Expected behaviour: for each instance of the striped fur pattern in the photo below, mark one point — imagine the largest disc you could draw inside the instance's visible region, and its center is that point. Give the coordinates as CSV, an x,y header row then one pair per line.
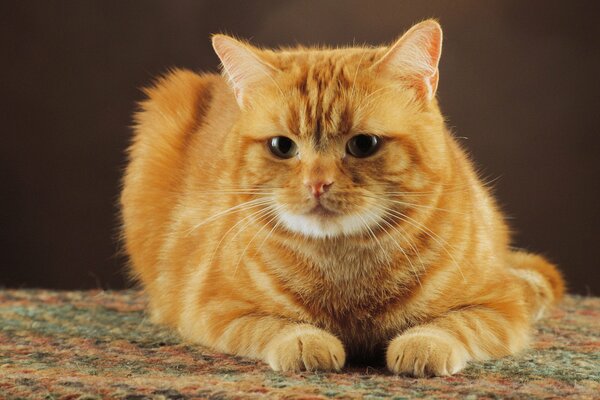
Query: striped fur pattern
x,y
411,259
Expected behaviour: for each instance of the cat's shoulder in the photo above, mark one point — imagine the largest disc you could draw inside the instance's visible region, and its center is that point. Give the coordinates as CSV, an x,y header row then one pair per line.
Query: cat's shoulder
x,y
182,89
182,100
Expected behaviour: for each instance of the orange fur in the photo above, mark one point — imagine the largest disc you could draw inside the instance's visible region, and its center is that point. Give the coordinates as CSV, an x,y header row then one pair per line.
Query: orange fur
x,y
415,261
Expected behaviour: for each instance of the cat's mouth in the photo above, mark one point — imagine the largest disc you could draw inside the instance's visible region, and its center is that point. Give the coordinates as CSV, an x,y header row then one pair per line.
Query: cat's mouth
x,y
322,211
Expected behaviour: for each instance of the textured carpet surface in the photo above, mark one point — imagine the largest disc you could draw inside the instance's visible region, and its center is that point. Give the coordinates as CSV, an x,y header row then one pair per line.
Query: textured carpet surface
x,y
88,345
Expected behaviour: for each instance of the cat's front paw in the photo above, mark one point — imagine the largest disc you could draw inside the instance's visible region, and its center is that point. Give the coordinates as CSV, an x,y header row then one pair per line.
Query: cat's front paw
x,y
426,353
306,348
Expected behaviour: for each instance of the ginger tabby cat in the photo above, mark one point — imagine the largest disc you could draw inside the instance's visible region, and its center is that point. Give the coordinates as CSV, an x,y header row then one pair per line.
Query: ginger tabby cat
x,y
311,205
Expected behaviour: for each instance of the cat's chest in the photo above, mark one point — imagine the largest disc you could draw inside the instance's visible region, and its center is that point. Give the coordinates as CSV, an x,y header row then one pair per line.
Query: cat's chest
x,y
351,290
356,310
342,288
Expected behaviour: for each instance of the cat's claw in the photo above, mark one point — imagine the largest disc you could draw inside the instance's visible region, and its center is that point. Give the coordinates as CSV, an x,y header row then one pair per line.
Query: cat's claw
x,y
426,354
308,349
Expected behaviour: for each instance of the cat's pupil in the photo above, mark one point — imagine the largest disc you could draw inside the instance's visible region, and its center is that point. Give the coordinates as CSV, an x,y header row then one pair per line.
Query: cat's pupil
x,y
282,147
284,144
364,142
363,145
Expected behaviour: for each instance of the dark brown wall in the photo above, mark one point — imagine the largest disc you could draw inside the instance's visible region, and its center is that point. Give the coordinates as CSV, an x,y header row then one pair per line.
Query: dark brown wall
x,y
519,81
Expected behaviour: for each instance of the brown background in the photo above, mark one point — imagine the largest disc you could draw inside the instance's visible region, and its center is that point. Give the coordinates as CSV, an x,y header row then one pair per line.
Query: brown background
x,y
519,80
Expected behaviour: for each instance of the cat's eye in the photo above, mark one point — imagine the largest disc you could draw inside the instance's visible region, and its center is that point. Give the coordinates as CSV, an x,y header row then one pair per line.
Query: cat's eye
x,y
363,145
282,147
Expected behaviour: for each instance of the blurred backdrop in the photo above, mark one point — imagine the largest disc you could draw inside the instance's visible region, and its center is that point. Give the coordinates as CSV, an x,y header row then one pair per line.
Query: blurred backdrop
x,y
519,84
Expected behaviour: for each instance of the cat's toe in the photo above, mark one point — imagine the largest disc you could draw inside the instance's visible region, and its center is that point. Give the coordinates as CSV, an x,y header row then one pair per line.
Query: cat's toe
x,y
306,349
426,354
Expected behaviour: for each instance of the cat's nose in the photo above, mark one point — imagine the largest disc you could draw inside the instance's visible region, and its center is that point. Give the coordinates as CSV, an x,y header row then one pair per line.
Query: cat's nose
x,y
317,188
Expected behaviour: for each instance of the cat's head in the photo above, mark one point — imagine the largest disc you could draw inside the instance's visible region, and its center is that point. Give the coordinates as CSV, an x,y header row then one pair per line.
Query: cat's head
x,y
338,140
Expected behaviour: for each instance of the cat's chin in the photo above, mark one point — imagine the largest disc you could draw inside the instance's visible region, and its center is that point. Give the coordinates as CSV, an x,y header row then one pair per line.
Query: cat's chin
x,y
328,225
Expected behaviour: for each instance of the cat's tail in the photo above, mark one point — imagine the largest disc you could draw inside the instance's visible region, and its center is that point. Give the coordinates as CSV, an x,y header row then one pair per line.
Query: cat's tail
x,y
543,279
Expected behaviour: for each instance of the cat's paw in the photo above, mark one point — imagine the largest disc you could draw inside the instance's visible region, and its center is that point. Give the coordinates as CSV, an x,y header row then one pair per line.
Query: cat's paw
x,y
306,348
426,353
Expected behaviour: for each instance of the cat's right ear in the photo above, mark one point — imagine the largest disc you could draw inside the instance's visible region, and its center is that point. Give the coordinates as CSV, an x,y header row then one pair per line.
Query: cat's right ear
x,y
414,58
241,65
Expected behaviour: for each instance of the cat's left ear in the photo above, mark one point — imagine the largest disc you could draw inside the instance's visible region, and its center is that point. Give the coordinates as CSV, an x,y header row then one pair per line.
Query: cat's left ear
x,y
415,58
241,65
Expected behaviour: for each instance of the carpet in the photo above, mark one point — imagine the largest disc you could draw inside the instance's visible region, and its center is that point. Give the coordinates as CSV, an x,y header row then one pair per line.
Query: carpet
x,y
99,344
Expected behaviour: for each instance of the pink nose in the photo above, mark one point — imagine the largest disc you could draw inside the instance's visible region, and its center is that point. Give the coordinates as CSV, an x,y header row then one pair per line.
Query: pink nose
x,y
319,187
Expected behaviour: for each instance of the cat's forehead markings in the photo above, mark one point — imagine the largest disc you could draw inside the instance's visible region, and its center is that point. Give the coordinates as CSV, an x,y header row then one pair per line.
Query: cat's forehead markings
x,y
320,111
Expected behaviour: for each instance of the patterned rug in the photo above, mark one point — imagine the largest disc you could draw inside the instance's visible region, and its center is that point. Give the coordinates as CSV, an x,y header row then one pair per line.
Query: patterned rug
x,y
96,344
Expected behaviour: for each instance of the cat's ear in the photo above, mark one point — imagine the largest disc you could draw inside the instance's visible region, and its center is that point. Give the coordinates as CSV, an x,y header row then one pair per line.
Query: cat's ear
x,y
415,56
241,65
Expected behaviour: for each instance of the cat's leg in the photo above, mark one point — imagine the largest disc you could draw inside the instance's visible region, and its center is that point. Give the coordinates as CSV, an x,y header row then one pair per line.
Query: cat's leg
x,y
283,344
445,345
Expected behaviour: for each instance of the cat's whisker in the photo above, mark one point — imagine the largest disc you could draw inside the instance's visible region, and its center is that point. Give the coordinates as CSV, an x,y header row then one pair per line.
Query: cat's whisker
x,y
239,207
372,234
232,192
240,189
236,188
258,213
423,206
272,215
426,193
442,189
270,212
246,187
395,242
440,241
414,249
412,266
278,215
444,186
264,212
411,194
219,185
235,196
487,182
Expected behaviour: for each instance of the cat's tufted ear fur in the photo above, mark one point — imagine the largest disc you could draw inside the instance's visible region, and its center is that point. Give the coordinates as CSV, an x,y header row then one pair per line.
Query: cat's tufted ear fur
x,y
241,65
415,56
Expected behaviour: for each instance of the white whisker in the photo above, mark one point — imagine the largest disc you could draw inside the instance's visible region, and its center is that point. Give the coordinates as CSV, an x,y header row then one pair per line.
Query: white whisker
x,y
272,229
273,215
403,251
431,234
258,213
424,206
246,205
373,234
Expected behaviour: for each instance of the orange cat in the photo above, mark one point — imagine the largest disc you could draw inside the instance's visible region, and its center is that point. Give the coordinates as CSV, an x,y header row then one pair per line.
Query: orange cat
x,y
313,206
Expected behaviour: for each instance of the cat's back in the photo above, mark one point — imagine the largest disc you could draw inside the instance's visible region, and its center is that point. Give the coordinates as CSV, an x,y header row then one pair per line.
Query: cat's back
x,y
181,108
